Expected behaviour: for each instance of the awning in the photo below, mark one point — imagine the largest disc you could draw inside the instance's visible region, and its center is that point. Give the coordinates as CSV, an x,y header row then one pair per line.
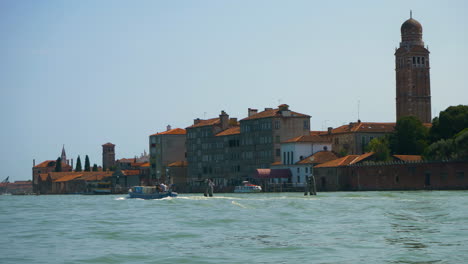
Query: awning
x,y
272,173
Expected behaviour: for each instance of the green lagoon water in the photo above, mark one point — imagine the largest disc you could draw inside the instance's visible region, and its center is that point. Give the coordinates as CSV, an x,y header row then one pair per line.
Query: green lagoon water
x,y
340,227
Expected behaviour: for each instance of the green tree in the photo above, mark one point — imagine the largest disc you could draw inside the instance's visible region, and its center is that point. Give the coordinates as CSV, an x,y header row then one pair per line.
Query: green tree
x,y
78,164
58,165
87,166
95,167
461,145
449,122
380,146
440,150
410,137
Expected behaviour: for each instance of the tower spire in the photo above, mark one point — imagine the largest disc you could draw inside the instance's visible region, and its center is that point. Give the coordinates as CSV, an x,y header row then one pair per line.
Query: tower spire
x,y
411,14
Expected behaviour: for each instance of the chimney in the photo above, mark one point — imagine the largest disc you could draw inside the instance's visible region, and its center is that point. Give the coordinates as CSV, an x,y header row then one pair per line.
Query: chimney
x,y
330,130
284,109
268,108
233,121
224,118
168,127
252,112
196,121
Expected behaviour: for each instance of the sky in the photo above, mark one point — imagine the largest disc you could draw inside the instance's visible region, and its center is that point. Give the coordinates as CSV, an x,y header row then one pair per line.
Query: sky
x,y
83,73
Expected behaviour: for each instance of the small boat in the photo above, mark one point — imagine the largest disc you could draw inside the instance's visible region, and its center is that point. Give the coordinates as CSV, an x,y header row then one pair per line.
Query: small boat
x,y
247,188
150,192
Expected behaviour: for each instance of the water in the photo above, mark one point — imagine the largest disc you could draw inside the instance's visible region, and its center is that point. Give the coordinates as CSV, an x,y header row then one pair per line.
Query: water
x,y
342,227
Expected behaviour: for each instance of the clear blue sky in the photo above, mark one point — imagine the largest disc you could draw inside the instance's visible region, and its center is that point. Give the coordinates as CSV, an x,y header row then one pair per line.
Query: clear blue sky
x,y
83,73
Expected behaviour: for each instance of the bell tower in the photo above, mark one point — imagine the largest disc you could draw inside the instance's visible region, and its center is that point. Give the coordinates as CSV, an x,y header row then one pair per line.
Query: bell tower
x,y
413,89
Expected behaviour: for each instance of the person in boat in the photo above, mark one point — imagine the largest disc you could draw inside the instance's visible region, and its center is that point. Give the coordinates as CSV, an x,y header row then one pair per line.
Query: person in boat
x,y
163,187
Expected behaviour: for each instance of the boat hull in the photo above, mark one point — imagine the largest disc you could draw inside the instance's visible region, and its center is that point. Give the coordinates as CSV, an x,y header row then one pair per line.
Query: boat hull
x,y
152,195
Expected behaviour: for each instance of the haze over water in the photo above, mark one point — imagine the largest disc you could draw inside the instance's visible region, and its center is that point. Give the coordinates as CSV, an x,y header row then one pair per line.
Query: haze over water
x,y
341,227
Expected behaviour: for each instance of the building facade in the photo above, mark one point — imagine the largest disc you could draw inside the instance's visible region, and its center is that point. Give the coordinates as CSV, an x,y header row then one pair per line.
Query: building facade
x,y
165,148
229,152
413,89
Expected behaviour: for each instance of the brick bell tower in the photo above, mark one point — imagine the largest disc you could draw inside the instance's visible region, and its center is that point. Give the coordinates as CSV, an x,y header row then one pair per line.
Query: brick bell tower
x,y
413,89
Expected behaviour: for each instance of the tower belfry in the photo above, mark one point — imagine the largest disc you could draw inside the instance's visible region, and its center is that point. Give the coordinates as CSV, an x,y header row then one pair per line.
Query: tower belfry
x,y
413,92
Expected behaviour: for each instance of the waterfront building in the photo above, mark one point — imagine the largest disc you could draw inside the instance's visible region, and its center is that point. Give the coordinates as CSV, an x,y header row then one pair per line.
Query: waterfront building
x,y
413,92
353,138
49,166
229,152
108,156
165,148
177,175
70,182
213,150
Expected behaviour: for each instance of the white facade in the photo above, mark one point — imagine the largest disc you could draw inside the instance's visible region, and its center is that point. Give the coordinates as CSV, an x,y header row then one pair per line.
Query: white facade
x,y
296,151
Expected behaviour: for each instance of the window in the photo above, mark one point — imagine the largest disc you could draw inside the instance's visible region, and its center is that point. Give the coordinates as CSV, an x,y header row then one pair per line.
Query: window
x,y
325,148
306,170
277,124
298,179
306,124
278,153
298,170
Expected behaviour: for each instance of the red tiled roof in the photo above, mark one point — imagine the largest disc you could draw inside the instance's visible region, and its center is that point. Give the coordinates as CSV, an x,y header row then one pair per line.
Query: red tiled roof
x,y
146,164
178,164
276,163
273,113
319,158
137,164
230,131
365,127
69,177
207,122
363,157
347,160
312,133
131,172
338,162
50,163
96,175
132,160
309,138
272,173
408,157
175,131
108,144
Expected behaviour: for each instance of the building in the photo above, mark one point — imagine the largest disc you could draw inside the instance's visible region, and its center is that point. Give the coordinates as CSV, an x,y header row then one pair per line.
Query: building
x,y
353,138
165,148
213,150
70,182
108,156
229,152
413,89
49,166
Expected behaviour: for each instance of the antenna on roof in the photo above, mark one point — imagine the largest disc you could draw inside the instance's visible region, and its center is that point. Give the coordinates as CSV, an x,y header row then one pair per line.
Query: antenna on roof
x,y
358,105
411,13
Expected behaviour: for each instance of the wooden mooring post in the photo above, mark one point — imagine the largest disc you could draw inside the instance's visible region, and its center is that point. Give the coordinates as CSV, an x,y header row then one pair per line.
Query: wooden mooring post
x,y
310,188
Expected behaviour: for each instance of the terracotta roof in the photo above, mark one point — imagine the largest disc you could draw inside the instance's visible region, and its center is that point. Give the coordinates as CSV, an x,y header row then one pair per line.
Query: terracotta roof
x,y
319,158
312,133
365,127
137,164
178,164
95,175
69,177
309,138
363,157
132,160
338,162
272,173
276,163
207,122
108,144
347,160
408,157
175,131
230,131
50,163
131,172
144,165
273,113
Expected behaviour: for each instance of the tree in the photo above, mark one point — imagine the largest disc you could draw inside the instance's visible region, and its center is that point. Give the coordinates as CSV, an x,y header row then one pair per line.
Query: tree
x,y
445,149
78,164
87,166
410,137
380,146
58,165
95,168
450,122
